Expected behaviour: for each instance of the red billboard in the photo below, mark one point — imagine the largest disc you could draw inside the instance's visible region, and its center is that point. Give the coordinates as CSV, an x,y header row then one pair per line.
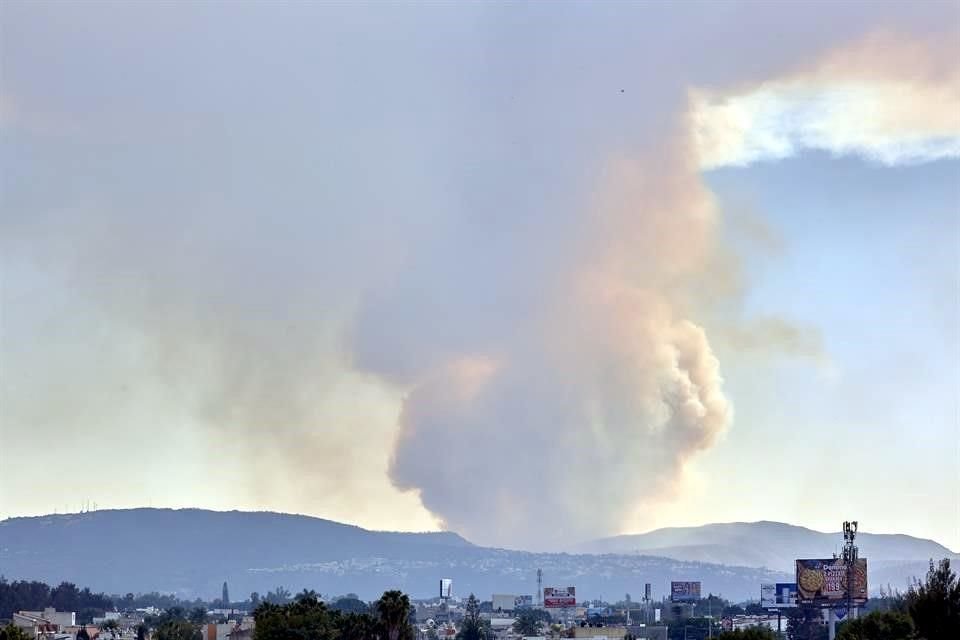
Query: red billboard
x,y
557,597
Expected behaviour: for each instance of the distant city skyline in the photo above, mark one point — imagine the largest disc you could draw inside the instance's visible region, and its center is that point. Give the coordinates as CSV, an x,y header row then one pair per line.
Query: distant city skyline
x,y
535,273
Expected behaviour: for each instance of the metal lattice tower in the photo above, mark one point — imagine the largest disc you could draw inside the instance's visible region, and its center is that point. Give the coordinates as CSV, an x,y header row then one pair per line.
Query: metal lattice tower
x,y
850,558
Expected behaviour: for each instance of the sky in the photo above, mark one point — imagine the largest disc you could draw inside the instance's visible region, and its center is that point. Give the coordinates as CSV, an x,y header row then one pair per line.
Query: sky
x,y
536,273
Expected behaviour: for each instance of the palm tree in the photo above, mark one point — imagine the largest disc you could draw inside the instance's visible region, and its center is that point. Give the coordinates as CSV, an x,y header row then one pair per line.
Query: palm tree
x,y
393,607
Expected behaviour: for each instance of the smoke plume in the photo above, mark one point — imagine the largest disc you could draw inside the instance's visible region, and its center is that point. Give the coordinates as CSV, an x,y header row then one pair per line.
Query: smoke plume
x,y
596,392
401,266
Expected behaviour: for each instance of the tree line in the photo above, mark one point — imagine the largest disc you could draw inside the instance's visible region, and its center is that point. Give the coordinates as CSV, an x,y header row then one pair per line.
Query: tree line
x,y
32,595
307,618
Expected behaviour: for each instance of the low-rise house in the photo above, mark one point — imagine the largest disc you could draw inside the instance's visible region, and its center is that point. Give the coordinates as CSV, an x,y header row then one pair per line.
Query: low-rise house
x,y
44,624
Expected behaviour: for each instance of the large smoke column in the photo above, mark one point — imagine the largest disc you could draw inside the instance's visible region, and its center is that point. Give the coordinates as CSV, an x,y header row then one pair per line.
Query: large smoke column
x,y
596,396
562,418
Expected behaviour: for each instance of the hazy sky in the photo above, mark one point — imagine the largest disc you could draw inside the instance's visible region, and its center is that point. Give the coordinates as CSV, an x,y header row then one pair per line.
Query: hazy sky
x,y
535,272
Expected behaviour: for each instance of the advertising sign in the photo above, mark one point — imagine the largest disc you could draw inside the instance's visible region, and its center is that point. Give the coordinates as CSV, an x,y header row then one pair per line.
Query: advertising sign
x,y
684,591
556,597
778,595
446,588
825,581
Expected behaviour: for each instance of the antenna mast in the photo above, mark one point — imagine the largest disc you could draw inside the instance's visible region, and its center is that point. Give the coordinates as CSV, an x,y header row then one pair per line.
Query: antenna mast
x,y
540,587
850,559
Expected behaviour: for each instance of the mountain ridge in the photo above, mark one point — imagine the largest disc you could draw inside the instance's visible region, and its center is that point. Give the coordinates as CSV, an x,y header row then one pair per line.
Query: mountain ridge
x,y
190,552
763,543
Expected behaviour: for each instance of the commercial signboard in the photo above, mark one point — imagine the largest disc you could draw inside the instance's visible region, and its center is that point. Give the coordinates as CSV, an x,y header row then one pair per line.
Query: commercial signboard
x,y
824,581
684,591
557,597
446,588
511,602
779,595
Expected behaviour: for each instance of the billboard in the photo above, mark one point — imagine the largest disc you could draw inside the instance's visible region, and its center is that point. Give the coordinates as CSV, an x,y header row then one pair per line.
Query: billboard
x,y
446,588
825,581
684,591
510,602
556,597
779,595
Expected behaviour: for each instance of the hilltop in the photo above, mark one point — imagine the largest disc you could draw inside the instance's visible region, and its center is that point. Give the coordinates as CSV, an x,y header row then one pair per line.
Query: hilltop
x,y
190,552
763,544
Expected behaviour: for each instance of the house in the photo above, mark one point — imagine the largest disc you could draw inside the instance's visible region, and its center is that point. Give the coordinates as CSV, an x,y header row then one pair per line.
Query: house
x,y
44,624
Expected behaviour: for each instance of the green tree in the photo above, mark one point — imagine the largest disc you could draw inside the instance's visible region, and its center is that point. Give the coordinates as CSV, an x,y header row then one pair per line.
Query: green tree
x,y
13,632
198,615
472,627
528,623
753,633
304,619
278,596
803,623
177,630
349,604
65,597
393,609
82,634
879,625
357,626
934,605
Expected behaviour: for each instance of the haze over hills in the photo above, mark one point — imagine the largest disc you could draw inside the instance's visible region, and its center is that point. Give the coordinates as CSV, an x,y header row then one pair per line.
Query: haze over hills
x,y
762,544
191,552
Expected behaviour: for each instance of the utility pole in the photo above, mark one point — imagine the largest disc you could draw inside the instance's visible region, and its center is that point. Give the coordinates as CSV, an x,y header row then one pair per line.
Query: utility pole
x,y
710,615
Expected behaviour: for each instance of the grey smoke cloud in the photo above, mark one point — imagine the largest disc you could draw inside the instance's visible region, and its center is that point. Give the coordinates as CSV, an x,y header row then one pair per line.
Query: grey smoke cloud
x,y
321,245
535,426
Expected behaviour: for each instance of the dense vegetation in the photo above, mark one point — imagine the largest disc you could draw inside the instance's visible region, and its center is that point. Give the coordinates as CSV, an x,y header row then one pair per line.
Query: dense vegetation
x,y
13,632
24,595
306,618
